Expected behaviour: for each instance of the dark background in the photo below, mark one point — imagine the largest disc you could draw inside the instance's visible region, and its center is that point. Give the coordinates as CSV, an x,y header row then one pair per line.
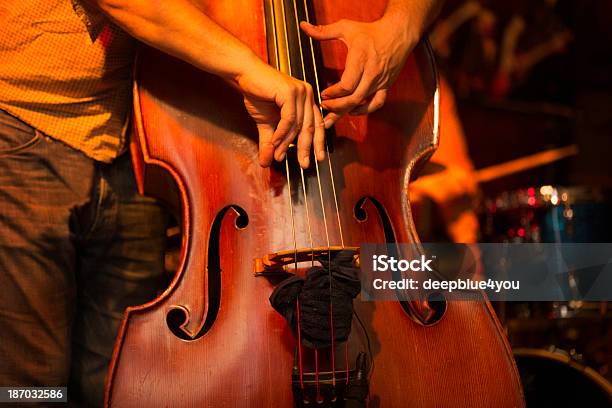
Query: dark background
x,y
564,99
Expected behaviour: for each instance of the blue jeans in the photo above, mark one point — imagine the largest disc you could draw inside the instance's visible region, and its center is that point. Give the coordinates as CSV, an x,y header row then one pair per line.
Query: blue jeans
x,y
77,246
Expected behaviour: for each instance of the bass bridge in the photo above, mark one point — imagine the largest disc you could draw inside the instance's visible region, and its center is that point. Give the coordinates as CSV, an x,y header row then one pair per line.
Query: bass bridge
x,y
278,263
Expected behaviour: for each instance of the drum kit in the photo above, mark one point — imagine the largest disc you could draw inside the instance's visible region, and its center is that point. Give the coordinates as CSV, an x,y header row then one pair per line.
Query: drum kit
x,y
563,349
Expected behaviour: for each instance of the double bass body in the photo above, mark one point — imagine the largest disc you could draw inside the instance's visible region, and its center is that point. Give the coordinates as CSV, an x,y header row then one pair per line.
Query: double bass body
x,y
212,339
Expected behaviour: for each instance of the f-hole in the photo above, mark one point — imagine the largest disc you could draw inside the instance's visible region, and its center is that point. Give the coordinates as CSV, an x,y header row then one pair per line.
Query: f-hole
x,y
177,317
361,215
436,301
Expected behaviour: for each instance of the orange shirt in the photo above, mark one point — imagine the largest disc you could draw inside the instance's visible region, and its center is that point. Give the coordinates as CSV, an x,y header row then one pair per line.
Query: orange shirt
x,y
66,70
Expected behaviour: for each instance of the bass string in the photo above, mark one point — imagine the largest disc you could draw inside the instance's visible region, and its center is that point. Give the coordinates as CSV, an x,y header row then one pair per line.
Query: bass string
x,y
319,183
312,260
295,251
322,201
335,195
288,174
317,88
331,290
301,169
296,19
319,100
308,220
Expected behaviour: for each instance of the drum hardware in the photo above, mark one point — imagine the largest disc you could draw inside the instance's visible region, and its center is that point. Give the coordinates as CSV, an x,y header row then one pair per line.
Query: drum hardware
x,y
555,378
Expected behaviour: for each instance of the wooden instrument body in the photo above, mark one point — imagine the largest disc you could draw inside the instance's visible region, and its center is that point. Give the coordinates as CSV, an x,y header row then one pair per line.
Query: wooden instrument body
x,y
196,149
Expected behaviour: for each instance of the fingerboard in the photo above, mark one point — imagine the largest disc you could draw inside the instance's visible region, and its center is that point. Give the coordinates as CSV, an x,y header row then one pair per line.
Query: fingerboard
x,y
289,49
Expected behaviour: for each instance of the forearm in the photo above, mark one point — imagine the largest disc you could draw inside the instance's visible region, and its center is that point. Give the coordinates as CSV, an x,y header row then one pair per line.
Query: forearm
x,y
417,15
180,29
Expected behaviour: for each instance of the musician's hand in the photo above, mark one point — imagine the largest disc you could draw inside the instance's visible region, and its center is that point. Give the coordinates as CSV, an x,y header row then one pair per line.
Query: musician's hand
x,y
283,108
377,52
444,187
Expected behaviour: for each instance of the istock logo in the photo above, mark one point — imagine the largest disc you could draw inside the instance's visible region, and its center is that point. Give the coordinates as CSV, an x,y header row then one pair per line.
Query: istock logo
x,y
383,263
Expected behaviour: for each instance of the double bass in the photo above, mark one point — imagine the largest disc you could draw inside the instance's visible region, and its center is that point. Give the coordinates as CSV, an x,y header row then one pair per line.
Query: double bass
x,y
212,339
